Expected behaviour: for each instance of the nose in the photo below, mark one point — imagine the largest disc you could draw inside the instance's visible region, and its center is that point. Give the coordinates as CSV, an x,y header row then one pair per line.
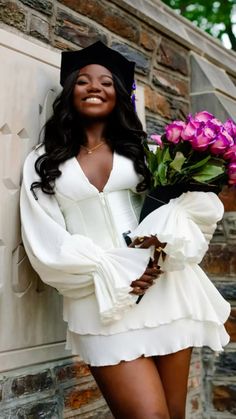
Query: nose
x,y
94,86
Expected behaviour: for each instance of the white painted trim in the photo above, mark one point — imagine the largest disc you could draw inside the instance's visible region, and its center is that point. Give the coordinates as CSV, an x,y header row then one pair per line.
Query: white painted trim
x,y
19,44
30,356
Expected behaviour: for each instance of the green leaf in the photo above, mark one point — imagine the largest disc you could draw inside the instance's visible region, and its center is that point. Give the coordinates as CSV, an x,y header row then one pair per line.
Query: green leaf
x,y
166,155
208,172
178,162
152,161
162,170
198,164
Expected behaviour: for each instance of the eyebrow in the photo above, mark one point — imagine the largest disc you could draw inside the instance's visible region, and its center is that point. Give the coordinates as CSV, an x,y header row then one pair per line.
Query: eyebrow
x,y
102,75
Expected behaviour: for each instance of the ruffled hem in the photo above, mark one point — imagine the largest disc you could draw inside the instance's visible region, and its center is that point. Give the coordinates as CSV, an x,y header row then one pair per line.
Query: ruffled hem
x,y
97,350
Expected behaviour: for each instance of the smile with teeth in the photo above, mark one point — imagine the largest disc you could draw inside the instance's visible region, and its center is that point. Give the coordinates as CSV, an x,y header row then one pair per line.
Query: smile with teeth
x,y
93,100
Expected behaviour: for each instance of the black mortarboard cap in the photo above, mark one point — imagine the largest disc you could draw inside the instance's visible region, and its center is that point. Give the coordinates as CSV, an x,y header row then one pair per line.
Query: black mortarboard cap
x,y
98,53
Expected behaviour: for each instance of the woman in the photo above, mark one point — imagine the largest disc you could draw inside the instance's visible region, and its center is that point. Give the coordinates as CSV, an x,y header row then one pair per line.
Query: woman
x,y
82,191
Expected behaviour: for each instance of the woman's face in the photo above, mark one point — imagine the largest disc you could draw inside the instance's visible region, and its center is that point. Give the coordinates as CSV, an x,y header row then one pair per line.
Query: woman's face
x,y
94,93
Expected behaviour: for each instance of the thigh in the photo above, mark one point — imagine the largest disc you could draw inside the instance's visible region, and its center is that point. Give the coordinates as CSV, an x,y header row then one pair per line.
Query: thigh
x,y
174,370
132,389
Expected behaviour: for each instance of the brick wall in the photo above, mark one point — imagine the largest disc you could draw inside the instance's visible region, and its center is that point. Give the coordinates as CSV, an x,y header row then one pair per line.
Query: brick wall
x,y
163,68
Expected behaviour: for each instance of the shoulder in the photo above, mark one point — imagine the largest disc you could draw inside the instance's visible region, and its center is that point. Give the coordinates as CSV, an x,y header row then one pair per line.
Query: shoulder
x,y
29,163
34,154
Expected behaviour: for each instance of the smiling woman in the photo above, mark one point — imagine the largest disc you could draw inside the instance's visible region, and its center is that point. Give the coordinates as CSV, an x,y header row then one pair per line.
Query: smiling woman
x,y
82,191
94,92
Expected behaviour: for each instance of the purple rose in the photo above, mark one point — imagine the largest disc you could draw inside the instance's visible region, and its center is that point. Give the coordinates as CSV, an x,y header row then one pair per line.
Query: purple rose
x,y
190,129
204,137
230,127
215,125
157,139
222,142
232,173
230,153
174,130
203,116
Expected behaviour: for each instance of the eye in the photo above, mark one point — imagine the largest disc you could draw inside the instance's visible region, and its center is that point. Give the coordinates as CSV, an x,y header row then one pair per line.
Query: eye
x,y
107,83
81,81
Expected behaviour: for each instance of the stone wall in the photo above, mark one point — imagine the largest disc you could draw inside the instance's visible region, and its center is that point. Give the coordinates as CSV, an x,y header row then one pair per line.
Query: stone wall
x,y
162,44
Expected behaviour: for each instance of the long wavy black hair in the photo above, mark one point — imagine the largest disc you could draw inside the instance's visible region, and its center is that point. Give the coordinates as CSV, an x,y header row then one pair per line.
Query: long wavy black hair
x,y
64,135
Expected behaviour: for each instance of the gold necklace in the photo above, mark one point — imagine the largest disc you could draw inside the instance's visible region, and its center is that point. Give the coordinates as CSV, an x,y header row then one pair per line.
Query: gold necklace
x,y
90,150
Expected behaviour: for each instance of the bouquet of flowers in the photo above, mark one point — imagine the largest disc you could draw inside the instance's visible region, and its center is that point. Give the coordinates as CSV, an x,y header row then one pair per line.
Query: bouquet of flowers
x,y
199,154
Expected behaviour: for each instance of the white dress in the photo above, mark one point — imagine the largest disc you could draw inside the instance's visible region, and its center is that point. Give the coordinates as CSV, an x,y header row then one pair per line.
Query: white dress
x,y
74,241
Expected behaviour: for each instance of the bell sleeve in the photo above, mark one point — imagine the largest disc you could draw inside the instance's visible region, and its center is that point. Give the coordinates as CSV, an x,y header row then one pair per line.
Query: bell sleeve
x,y
186,224
73,263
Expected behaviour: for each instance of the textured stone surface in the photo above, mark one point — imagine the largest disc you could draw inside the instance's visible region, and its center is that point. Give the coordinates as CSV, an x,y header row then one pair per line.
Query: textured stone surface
x,y
39,28
63,45
157,103
227,289
218,259
195,405
43,6
154,125
224,398
77,31
142,60
12,14
228,197
226,364
77,396
179,109
71,371
148,40
111,18
221,106
229,225
170,84
31,383
208,76
231,325
172,56
167,107
42,410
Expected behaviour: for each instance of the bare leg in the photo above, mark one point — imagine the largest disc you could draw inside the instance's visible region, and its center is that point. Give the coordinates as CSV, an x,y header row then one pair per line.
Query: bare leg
x,y
173,370
133,390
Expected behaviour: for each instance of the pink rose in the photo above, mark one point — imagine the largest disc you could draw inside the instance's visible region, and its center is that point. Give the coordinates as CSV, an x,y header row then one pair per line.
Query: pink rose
x,y
205,136
203,116
174,130
157,139
230,153
222,142
232,173
190,130
230,127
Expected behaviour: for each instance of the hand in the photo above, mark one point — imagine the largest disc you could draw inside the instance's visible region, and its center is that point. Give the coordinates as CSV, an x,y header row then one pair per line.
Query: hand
x,y
141,285
148,241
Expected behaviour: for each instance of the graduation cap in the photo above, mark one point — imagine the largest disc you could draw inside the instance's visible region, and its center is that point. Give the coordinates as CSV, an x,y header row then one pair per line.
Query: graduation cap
x,y
98,53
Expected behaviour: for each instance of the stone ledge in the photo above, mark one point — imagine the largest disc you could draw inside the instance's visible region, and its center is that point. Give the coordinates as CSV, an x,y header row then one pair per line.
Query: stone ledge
x,y
163,18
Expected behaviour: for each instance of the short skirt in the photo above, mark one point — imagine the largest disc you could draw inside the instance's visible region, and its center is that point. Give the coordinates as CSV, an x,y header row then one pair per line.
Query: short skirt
x,y
100,350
